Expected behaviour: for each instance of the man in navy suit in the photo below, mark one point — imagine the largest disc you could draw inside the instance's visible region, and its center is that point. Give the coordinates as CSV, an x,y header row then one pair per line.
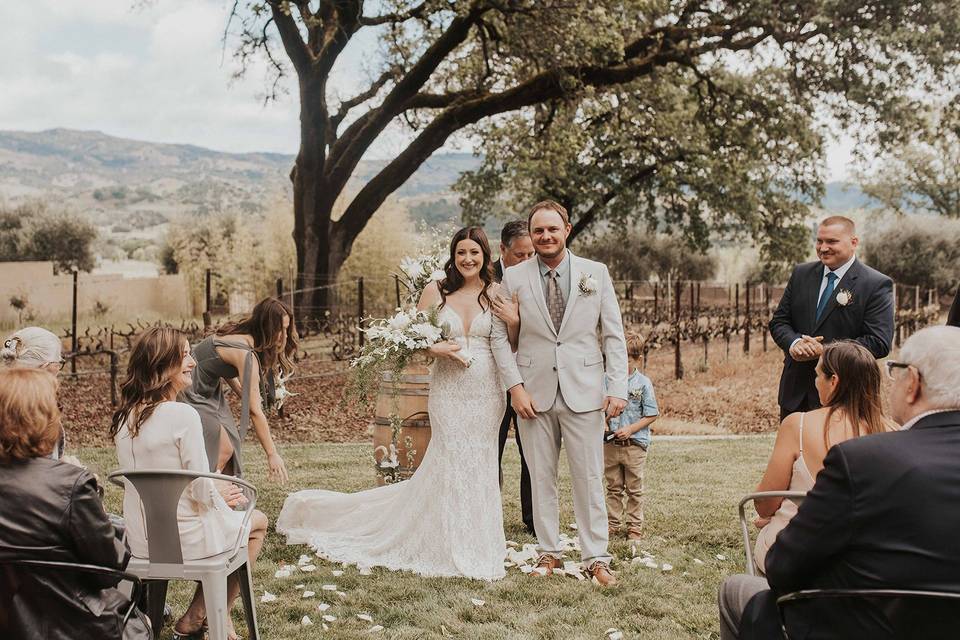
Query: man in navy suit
x,y
835,298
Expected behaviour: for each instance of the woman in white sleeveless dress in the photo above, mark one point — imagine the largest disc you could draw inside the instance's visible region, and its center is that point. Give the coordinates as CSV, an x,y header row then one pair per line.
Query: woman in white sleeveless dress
x,y
848,383
447,519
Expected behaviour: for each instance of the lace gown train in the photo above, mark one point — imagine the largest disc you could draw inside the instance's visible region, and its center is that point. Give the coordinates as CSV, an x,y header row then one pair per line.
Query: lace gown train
x,y
447,519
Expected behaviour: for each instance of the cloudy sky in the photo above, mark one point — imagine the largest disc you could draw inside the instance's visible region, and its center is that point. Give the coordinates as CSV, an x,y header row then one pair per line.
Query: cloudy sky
x,y
157,71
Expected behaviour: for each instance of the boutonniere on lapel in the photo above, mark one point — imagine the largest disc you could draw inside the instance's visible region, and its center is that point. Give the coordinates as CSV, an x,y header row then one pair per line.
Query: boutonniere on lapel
x,y
587,285
844,297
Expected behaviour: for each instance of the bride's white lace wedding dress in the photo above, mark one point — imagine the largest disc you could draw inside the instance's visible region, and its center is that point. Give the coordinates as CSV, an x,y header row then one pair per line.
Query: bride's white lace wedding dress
x,y
447,519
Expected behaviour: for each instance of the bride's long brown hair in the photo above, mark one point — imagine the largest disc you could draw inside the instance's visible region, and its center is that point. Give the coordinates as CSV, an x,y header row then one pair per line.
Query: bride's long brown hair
x,y
264,324
454,279
155,358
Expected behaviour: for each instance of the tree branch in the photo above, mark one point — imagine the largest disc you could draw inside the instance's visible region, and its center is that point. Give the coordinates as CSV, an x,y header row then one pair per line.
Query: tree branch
x,y
393,18
293,43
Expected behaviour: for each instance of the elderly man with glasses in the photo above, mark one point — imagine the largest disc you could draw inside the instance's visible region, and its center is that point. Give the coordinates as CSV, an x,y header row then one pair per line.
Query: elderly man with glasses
x,y
883,514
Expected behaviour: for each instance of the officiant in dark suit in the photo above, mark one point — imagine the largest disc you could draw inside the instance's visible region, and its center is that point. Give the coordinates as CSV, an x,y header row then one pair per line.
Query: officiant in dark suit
x,y
515,247
837,297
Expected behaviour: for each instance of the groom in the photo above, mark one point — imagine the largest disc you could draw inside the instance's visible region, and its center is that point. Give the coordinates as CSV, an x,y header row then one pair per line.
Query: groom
x,y
568,313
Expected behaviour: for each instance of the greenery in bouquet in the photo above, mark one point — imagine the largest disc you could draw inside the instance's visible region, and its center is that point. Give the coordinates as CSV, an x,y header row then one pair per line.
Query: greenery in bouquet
x,y
390,346
418,271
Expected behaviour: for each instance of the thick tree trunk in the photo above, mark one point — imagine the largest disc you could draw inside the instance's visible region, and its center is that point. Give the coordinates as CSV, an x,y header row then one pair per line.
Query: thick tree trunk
x,y
319,257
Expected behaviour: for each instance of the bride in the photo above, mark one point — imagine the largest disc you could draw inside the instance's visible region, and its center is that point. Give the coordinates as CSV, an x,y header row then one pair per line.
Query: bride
x,y
447,519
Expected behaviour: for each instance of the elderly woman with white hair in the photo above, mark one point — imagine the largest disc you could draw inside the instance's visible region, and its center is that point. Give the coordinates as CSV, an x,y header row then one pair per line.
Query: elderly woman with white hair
x,y
35,348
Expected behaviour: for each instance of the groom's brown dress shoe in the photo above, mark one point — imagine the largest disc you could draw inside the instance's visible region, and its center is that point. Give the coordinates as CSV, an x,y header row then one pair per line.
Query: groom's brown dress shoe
x,y
548,563
600,571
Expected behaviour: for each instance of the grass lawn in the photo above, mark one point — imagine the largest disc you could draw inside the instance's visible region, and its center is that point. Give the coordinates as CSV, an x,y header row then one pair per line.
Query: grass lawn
x,y
692,487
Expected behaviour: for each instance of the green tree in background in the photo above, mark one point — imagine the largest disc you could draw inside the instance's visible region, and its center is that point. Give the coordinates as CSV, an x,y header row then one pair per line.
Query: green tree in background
x,y
441,66
634,254
923,174
32,232
682,153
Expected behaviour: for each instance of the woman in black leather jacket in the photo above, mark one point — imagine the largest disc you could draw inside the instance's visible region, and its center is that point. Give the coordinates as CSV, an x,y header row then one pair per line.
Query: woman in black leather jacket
x,y
50,510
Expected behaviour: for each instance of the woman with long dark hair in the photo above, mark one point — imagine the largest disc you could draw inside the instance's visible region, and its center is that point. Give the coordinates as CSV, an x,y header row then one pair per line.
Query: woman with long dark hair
x,y
848,383
153,431
447,519
247,355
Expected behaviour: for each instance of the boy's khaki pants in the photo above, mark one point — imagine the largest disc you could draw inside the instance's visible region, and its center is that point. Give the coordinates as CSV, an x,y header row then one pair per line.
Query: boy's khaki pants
x,y
623,469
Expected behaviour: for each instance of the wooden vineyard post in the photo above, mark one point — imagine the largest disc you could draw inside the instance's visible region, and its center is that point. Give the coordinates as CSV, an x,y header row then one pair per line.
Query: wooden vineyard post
x,y
360,309
766,313
656,302
74,341
677,364
746,319
396,287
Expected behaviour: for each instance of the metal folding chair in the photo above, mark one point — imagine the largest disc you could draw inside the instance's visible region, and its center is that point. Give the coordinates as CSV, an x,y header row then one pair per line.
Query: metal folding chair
x,y
948,628
796,496
136,584
160,491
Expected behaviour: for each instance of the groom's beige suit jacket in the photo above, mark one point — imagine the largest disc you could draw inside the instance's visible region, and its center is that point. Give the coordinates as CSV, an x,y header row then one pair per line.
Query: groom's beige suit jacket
x,y
570,359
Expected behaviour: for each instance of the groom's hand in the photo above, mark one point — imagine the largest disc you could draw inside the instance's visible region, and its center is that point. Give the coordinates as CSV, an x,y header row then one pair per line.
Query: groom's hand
x,y
613,407
521,402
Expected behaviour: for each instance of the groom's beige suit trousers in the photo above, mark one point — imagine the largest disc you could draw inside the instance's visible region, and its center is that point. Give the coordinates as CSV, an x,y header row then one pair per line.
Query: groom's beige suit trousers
x,y
582,434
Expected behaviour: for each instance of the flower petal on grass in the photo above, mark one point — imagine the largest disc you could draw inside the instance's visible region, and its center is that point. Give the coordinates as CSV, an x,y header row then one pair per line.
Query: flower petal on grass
x,y
329,618
721,557
306,621
697,561
308,594
477,602
329,587
666,567
366,617
307,568
323,606
614,634
375,629
267,597
337,573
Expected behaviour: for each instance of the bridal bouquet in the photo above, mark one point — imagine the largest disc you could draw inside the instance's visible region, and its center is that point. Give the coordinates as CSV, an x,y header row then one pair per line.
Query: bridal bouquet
x,y
417,272
391,344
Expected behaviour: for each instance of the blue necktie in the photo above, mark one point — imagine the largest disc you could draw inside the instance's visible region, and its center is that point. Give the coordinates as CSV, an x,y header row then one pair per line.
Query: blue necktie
x,y
825,298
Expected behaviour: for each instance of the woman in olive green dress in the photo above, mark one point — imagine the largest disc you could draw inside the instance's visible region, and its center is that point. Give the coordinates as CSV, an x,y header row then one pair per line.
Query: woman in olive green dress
x,y
246,354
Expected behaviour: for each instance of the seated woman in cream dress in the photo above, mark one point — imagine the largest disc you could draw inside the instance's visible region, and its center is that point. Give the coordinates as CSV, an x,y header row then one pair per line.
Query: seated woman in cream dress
x,y
848,383
153,431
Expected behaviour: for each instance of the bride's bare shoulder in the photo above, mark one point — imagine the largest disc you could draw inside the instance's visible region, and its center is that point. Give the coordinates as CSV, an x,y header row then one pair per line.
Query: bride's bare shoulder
x,y
430,296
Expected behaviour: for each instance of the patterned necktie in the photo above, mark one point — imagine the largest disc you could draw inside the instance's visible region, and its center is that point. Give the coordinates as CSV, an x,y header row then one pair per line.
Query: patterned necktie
x,y
555,304
825,298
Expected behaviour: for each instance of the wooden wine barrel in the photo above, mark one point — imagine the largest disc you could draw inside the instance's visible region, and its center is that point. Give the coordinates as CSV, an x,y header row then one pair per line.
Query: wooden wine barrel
x,y
405,397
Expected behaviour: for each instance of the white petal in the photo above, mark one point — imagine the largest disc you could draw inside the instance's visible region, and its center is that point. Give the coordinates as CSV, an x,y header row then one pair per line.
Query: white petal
x,y
365,617
366,571
342,594
697,561
308,594
573,525
329,587
306,621
615,635
666,567
267,597
308,568
375,629
721,557
300,586
477,602
330,618
323,606
337,574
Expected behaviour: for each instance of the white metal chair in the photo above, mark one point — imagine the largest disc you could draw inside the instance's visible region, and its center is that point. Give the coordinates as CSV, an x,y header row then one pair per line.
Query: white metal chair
x,y
160,491
795,496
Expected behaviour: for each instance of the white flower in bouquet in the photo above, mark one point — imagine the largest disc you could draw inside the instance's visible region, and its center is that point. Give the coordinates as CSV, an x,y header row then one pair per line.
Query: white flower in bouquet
x,y
400,321
437,275
428,331
412,267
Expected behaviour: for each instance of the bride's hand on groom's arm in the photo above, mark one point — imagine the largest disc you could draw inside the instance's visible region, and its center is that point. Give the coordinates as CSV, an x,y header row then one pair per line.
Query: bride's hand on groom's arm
x,y
522,402
507,309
